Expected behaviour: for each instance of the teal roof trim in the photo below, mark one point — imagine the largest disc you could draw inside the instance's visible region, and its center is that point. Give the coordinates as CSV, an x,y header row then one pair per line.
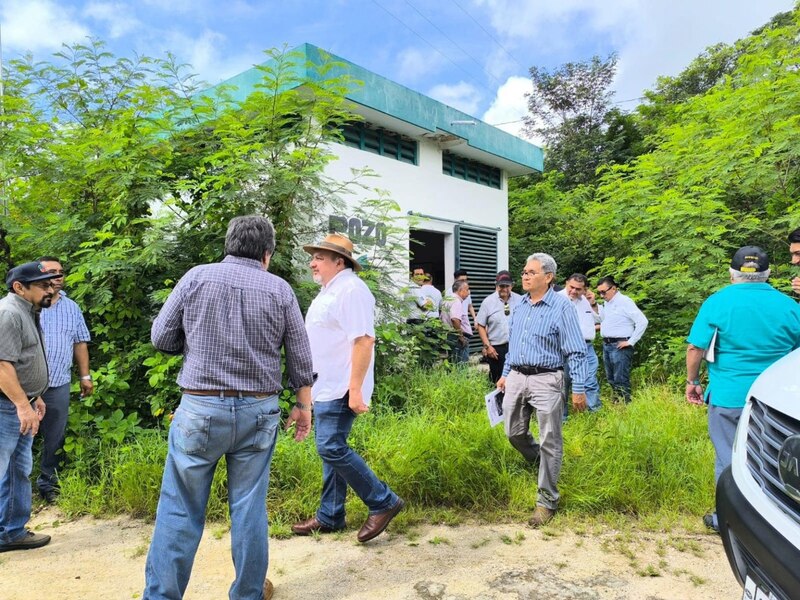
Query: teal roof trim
x,y
395,100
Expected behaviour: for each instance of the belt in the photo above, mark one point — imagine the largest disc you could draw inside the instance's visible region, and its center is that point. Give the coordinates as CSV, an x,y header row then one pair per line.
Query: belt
x,y
534,370
614,340
229,393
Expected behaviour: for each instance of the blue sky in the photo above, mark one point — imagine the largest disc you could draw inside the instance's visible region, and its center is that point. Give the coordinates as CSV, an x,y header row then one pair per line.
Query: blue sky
x,y
471,54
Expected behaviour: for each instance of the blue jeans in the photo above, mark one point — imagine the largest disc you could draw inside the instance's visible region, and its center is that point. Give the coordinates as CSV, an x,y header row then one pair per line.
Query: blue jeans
x,y
591,386
342,466
206,428
16,463
52,428
617,362
458,354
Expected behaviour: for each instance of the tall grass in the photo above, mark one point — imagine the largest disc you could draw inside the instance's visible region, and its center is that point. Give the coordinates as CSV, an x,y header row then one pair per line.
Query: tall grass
x,y
429,438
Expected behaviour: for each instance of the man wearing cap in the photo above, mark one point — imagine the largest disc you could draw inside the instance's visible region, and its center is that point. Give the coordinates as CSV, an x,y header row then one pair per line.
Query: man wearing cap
x,y
492,321
341,326
740,330
544,333
232,321
66,338
576,290
23,380
622,324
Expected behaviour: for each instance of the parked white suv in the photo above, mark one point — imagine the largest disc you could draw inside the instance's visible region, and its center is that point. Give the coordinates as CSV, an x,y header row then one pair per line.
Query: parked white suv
x,y
758,497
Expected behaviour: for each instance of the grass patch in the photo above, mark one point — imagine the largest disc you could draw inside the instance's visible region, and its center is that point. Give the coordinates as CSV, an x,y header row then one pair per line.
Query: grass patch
x,y
428,436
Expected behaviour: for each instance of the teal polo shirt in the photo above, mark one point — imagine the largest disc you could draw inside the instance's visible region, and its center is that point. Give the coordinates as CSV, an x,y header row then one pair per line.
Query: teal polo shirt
x,y
756,325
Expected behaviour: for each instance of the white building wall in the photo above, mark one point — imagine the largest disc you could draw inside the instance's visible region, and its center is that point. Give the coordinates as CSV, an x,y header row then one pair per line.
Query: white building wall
x,y
423,188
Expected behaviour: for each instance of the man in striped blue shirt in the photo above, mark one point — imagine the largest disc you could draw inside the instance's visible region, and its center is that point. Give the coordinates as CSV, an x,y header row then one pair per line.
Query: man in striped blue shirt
x,y
66,338
544,330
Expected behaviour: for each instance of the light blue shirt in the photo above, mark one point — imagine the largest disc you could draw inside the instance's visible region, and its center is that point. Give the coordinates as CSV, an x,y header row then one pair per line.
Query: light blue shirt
x,y
492,315
621,318
543,334
756,325
63,326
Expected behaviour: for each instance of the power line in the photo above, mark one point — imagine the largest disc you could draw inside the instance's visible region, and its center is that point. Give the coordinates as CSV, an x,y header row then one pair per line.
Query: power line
x,y
495,40
450,60
452,41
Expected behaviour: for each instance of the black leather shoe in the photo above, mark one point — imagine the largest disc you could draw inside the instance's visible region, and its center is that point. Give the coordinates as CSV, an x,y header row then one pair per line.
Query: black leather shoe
x,y
375,524
28,541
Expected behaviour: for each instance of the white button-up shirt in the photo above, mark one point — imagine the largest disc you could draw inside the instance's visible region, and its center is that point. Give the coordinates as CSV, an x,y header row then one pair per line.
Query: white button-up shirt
x,y
620,317
342,311
587,318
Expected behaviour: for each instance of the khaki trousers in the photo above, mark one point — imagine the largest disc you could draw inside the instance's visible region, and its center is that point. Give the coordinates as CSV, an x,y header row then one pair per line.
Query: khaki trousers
x,y
543,394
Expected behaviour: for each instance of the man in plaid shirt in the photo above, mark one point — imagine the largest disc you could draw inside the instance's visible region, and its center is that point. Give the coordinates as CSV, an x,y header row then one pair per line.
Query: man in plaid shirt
x,y
230,320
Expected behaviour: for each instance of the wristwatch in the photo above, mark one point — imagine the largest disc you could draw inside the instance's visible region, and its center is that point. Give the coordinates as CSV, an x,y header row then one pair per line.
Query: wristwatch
x,y
86,377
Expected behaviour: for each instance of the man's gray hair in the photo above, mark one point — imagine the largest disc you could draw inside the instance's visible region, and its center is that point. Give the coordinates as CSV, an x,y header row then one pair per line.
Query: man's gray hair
x,y
250,237
458,284
739,277
548,262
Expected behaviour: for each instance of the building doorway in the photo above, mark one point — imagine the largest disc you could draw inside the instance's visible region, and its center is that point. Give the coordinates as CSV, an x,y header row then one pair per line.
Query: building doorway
x,y
427,251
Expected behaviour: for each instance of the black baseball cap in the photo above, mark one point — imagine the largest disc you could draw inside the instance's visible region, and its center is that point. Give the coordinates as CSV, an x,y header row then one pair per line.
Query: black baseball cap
x,y
750,259
27,273
504,278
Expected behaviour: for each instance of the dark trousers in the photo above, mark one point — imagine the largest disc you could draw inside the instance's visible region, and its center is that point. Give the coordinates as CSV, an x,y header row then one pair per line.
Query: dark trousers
x,y
496,364
53,428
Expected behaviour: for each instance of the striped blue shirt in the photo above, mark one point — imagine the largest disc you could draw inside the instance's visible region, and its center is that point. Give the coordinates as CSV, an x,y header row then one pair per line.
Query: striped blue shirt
x,y
546,333
63,326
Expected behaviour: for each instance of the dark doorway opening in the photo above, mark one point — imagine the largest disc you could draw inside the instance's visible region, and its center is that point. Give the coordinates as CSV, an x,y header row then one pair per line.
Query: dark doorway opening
x,y
427,251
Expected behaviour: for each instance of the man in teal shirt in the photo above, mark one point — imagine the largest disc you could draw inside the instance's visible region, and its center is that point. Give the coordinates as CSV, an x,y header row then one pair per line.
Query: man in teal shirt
x,y
740,331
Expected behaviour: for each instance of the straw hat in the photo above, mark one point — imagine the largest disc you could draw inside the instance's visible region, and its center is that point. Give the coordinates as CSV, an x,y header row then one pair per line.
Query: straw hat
x,y
337,243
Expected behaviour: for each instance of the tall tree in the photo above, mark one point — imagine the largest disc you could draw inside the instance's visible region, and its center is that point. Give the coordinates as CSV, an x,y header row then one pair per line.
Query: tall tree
x,y
569,109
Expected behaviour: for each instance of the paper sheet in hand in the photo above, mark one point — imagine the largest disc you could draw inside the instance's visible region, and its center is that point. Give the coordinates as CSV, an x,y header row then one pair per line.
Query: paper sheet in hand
x,y
493,410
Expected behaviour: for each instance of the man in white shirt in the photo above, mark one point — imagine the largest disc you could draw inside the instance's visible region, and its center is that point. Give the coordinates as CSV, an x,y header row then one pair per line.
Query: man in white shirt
x,y
576,290
622,324
432,294
493,319
341,328
417,303
454,316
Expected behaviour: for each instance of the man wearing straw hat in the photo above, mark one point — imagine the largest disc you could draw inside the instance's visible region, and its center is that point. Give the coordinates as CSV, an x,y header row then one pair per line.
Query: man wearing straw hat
x,y
341,328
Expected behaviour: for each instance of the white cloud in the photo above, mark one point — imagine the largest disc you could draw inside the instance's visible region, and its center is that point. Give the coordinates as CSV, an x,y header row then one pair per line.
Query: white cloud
x,y
510,105
462,96
208,54
415,64
115,16
652,38
32,25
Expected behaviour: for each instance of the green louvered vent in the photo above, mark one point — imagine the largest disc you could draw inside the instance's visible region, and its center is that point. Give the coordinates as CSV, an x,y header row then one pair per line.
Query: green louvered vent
x,y
476,251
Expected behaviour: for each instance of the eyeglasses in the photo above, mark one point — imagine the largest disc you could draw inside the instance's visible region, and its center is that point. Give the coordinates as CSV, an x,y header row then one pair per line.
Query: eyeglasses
x,y
56,272
44,285
506,309
531,273
604,292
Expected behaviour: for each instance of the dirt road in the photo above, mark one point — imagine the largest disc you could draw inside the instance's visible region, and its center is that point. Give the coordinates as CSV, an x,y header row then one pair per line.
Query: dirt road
x,y
92,559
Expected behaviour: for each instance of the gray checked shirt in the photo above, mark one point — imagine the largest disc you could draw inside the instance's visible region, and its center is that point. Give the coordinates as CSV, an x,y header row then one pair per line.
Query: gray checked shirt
x,y
231,320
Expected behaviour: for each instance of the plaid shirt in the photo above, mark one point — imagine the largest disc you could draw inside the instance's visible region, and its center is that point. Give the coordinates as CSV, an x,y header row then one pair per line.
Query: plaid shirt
x,y
230,320
63,327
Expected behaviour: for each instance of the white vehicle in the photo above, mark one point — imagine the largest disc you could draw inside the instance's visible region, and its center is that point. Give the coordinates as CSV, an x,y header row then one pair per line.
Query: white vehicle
x,y
758,497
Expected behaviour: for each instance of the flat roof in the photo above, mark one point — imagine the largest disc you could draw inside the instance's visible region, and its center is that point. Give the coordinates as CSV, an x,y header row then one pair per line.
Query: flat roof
x,y
387,103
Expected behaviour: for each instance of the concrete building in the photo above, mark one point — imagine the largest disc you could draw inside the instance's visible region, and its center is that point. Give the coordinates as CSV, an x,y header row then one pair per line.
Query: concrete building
x,y
446,167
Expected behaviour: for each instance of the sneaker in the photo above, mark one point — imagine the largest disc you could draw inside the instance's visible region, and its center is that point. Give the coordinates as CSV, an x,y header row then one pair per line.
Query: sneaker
x,y
541,516
49,496
710,521
27,542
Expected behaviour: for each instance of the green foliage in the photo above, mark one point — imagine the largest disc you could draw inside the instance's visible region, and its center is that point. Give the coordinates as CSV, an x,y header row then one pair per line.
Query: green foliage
x,y
428,436
722,170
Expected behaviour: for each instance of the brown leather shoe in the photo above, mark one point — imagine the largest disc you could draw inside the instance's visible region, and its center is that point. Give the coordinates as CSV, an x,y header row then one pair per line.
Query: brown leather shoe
x,y
269,589
541,516
375,524
312,525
